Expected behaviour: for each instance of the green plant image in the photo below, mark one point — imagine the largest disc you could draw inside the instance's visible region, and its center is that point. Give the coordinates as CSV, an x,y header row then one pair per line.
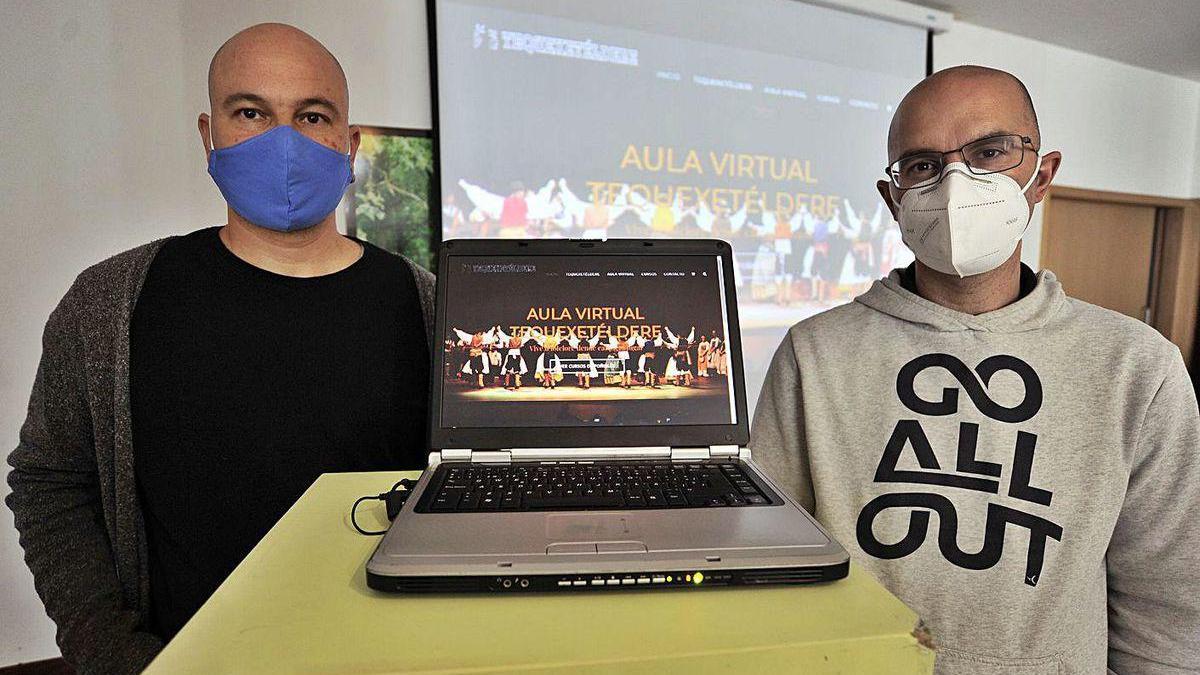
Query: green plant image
x,y
390,197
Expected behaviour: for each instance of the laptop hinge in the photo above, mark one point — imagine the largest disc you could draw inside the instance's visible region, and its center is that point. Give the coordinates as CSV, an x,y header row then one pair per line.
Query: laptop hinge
x,y
459,454
723,450
690,453
490,456
705,453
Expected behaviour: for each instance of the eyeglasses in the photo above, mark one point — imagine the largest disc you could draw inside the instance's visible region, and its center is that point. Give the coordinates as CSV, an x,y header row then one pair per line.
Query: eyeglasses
x,y
983,156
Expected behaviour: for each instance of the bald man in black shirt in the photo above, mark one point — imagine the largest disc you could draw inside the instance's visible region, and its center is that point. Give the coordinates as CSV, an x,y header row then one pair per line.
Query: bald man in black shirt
x,y
191,389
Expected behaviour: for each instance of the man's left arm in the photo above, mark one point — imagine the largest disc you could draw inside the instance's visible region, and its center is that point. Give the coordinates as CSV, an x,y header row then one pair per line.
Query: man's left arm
x,y
426,293
1153,578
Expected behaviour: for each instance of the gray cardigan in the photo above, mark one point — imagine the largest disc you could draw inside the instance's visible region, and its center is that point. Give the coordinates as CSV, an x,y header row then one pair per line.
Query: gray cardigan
x,y
74,496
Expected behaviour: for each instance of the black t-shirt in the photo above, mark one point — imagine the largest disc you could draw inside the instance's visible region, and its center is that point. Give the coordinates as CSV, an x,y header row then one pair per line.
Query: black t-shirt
x,y
908,280
246,385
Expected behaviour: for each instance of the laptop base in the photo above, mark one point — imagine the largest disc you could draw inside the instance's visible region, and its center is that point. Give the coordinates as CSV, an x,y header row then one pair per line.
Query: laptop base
x,y
659,580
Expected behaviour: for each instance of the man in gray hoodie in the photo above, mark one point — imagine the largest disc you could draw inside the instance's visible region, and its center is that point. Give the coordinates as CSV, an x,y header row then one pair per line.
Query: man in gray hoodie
x,y
1018,466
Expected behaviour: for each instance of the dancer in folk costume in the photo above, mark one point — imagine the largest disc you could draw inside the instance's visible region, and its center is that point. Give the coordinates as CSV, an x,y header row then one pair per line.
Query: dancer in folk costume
x,y
660,352
531,348
637,347
693,357
549,365
587,367
667,353
612,366
680,366
513,366
648,363
621,347
495,358
477,359
716,356
643,368
702,350
456,356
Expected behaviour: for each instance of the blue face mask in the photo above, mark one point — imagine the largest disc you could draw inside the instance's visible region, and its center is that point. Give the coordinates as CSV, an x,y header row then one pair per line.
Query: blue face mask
x,y
281,179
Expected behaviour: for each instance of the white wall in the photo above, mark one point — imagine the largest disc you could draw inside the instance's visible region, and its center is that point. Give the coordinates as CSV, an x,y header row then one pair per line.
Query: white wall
x,y
95,138
1120,128
100,152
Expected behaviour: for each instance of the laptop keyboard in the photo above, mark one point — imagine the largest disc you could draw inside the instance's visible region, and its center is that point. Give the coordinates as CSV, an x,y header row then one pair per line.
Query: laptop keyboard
x,y
595,485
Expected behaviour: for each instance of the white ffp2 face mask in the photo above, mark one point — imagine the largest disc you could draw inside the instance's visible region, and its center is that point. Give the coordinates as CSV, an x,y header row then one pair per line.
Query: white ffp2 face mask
x,y
966,224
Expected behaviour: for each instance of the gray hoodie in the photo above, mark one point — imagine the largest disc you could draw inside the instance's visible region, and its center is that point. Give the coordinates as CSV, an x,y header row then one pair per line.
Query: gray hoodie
x,y
1027,480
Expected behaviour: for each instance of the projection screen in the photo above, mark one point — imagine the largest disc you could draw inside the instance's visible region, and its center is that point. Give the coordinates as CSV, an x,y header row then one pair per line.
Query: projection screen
x,y
761,122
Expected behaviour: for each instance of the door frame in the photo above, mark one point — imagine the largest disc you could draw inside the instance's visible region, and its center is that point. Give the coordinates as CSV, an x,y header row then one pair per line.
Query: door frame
x,y
1176,298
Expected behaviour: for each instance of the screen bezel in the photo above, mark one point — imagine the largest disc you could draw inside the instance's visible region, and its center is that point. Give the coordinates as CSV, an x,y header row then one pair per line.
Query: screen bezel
x,y
441,437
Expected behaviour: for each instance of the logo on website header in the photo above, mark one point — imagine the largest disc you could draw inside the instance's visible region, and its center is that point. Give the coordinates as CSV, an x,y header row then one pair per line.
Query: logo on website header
x,y
499,39
498,268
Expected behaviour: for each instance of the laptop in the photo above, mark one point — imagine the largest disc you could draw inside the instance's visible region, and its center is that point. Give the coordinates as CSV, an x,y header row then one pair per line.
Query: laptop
x,y
588,419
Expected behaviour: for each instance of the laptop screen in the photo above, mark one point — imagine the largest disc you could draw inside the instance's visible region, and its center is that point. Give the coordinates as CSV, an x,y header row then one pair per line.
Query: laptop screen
x,y
586,341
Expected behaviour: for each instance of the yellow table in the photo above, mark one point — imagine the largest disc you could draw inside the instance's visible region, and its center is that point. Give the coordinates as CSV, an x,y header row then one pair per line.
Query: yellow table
x,y
299,603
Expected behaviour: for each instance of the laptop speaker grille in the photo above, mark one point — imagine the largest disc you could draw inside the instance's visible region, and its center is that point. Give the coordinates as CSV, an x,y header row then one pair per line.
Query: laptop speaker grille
x,y
787,576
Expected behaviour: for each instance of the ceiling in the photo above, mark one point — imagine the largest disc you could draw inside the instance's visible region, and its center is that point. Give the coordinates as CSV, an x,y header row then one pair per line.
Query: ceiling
x,y
1162,35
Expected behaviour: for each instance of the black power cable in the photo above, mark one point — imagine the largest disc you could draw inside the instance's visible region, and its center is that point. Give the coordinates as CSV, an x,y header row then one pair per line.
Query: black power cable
x,y
393,499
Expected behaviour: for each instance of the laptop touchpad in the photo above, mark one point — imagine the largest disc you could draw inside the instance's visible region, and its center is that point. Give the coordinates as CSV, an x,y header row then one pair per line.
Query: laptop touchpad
x,y
586,527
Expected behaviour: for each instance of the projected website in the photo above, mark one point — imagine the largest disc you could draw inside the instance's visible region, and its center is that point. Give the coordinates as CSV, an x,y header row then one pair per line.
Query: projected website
x,y
553,127
585,341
